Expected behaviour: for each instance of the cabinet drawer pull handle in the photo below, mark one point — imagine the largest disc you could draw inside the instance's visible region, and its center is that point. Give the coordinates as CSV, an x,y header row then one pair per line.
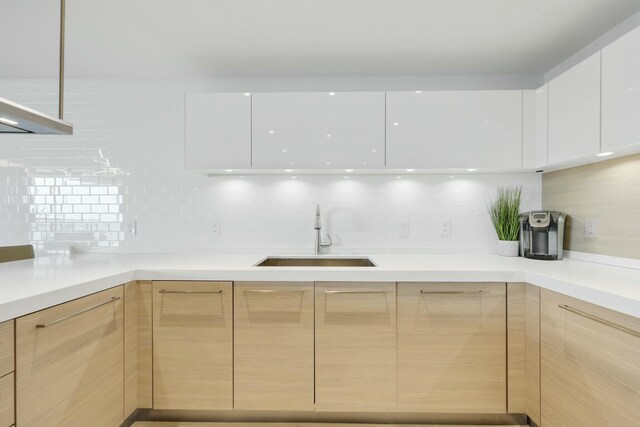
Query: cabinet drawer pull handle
x,y
62,319
355,292
423,292
164,291
272,291
600,320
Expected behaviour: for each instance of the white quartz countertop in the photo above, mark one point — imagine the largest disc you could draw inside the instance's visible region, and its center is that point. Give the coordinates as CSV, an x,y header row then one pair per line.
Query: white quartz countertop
x,y
31,285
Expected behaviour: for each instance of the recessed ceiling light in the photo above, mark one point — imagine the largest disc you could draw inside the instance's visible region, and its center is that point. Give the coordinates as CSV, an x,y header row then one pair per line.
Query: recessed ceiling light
x,y
608,153
284,150
374,150
288,170
471,169
332,93
328,135
328,163
409,170
247,94
228,170
418,91
396,123
398,177
7,121
272,132
348,170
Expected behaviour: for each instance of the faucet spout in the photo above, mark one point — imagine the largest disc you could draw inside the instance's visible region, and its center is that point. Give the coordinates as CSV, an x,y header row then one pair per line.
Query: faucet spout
x,y
318,227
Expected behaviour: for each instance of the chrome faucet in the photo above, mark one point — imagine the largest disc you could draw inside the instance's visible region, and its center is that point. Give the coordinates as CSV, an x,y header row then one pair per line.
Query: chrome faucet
x,y
318,226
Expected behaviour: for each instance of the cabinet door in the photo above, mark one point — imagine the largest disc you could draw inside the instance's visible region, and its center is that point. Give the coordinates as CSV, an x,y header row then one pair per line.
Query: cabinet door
x,y
452,347
192,345
218,131
574,112
326,130
355,346
542,126
7,400
273,346
590,364
69,363
621,92
454,129
6,347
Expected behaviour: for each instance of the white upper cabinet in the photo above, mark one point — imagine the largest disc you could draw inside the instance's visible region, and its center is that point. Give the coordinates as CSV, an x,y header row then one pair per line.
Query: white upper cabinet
x,y
323,130
454,129
574,112
621,92
218,131
542,126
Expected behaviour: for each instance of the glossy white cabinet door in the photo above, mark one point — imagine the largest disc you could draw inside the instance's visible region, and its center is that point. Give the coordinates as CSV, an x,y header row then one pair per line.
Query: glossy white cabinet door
x,y
529,141
621,92
218,131
574,112
542,125
454,129
320,130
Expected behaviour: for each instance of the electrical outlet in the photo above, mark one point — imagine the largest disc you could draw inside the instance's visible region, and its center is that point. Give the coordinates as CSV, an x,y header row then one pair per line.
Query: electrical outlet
x,y
403,229
445,228
591,229
214,229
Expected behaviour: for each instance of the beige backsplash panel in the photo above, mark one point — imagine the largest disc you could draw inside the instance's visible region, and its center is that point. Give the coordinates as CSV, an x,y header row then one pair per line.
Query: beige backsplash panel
x,y
609,192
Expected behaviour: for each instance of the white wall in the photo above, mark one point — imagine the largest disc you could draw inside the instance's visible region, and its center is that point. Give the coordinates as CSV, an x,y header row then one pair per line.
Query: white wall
x,y
125,164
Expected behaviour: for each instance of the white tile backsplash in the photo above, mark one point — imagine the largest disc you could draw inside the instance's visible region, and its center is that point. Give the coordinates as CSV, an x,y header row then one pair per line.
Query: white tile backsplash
x,y
124,166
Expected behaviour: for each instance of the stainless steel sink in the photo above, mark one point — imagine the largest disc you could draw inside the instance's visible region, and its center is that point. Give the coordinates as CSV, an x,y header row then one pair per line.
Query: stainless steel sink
x,y
315,262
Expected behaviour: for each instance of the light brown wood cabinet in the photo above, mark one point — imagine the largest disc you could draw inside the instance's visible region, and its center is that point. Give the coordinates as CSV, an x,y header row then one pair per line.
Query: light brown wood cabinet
x,y
7,400
590,364
192,345
69,369
355,346
6,347
452,347
273,346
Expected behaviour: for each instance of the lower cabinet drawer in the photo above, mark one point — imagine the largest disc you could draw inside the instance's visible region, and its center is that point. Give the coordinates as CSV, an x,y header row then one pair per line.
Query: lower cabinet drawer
x,y
7,403
452,347
70,363
590,364
192,345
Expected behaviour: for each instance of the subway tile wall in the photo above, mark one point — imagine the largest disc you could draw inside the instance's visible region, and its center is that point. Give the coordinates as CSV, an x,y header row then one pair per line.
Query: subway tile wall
x,y
118,184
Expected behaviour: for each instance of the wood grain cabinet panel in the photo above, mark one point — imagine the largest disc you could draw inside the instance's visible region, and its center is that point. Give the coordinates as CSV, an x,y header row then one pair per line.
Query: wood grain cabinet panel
x,y
144,300
273,346
590,364
355,346
532,355
7,400
516,348
452,347
6,347
69,369
192,345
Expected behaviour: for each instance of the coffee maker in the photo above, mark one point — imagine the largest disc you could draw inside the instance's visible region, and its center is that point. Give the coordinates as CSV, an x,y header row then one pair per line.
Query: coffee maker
x,y
542,234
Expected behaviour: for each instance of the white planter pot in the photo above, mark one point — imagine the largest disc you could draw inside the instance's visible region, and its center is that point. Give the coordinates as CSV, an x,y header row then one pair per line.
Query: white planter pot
x,y
508,247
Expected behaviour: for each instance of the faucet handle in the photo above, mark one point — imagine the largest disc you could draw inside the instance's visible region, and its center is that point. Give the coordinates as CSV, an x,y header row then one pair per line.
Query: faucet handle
x,y
327,244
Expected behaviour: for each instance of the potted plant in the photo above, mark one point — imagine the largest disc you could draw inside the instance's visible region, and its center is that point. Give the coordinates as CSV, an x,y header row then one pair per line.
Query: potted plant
x,y
505,216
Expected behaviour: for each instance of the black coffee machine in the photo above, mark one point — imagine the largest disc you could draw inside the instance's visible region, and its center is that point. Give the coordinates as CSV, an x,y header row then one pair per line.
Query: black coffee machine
x,y
542,234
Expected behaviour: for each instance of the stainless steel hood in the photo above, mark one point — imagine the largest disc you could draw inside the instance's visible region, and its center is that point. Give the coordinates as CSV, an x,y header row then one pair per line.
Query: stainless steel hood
x,y
16,118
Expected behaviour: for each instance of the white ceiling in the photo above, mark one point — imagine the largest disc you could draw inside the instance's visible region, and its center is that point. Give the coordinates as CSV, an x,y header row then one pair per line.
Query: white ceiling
x,y
206,38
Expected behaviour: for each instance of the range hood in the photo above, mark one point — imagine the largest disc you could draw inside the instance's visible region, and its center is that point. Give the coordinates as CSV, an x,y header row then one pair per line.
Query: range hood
x,y
18,119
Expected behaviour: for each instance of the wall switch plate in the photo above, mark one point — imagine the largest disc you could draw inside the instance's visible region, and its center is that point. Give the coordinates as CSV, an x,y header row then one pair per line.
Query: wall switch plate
x,y
445,228
591,229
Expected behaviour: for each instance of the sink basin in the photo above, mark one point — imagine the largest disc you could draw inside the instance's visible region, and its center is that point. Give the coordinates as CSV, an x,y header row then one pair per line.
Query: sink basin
x,y
315,262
